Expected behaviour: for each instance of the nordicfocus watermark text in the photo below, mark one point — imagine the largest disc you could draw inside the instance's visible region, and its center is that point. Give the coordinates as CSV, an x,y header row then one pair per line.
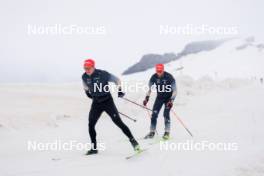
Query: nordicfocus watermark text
x,y
59,145
59,29
204,29
137,87
205,145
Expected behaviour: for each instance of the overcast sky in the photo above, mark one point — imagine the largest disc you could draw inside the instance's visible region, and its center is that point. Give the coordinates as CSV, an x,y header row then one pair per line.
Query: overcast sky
x,y
132,28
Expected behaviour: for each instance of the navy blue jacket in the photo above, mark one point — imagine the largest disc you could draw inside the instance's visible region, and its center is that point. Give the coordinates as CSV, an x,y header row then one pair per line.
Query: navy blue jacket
x,y
165,85
96,85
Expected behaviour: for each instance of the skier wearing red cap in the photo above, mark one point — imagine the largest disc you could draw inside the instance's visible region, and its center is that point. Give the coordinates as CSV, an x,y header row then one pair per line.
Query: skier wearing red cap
x,y
102,101
166,93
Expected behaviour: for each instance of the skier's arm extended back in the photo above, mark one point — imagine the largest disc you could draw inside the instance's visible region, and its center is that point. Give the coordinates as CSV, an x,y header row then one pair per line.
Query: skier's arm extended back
x,y
114,79
117,81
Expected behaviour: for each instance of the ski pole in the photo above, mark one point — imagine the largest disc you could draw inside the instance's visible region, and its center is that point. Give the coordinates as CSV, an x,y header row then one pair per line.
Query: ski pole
x,y
141,107
137,104
134,120
181,122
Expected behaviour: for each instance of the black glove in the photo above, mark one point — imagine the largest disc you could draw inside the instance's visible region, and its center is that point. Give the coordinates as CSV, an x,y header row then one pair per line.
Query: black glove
x,y
169,104
145,102
120,93
88,94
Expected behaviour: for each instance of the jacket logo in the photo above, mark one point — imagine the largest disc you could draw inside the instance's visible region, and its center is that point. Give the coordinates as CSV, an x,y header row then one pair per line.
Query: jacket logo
x,y
89,81
96,79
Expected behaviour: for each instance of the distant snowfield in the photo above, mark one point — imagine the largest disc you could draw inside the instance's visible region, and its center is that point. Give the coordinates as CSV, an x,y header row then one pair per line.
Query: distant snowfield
x,y
224,62
221,63
228,110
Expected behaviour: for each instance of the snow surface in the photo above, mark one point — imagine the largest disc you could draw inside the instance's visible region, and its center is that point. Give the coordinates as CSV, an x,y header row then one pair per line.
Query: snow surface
x,y
223,107
216,111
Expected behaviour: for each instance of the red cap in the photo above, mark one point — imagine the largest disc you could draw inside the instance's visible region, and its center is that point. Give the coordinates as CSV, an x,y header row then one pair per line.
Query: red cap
x,y
159,68
89,63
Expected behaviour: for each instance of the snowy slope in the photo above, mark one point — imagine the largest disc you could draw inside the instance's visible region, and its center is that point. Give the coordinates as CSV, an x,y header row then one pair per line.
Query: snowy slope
x,y
224,62
225,111
226,108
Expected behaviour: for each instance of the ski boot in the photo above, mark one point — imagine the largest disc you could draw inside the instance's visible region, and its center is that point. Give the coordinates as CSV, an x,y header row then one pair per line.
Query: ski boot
x,y
166,136
135,145
150,135
92,152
